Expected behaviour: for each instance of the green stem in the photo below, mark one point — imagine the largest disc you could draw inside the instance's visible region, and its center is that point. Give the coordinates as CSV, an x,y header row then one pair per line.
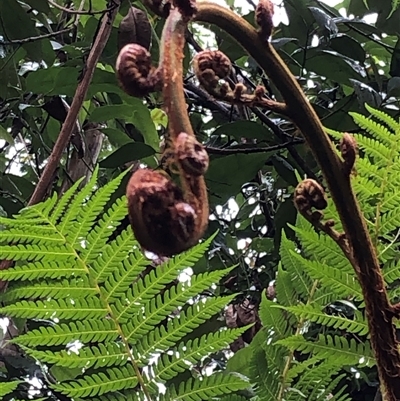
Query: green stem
x,y
365,262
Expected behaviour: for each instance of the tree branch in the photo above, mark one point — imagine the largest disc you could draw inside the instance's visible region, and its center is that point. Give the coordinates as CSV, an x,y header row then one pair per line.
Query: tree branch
x,y
80,94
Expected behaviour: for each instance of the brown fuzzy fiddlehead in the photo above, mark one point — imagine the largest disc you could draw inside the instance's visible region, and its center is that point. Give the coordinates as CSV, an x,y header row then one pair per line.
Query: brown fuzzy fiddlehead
x,y
167,219
135,72
212,68
263,17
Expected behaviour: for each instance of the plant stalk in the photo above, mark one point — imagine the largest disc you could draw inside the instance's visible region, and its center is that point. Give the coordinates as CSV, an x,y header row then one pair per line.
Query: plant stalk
x,y
365,262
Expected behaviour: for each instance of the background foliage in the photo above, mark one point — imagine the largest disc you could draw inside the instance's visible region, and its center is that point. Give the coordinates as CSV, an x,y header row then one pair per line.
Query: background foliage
x,y
341,61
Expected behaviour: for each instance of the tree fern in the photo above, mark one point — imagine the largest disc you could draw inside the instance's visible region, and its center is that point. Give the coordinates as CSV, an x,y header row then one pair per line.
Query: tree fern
x,y
316,326
108,317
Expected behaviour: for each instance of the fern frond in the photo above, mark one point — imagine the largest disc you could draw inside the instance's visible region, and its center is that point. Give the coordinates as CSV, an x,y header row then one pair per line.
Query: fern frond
x,y
193,351
265,378
63,202
73,288
88,308
98,235
112,354
320,247
86,331
274,318
164,337
314,380
113,379
303,282
159,308
343,284
348,352
119,282
9,387
285,288
77,230
378,131
309,312
36,234
36,252
207,388
115,255
382,116
44,270
73,211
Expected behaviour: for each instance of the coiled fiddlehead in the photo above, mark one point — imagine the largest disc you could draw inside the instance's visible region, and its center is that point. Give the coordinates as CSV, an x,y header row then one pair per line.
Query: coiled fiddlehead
x,y
167,219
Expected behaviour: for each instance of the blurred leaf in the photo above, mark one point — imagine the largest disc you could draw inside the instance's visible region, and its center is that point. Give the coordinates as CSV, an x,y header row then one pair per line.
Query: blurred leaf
x,y
366,94
393,87
116,136
6,136
395,61
127,153
324,20
262,244
284,170
348,46
330,65
244,129
226,175
16,24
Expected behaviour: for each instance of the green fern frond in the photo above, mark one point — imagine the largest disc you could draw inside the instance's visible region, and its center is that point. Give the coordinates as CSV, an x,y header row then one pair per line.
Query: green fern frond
x,y
320,247
158,308
93,291
9,387
112,354
74,288
87,331
36,252
382,116
274,318
310,312
73,210
378,131
285,288
98,235
303,282
343,284
264,376
164,337
114,255
88,308
348,352
89,385
47,270
206,389
193,351
63,202
313,381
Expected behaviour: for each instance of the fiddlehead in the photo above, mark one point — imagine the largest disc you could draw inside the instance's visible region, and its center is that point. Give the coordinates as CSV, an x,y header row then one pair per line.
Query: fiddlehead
x,y
212,68
135,73
167,219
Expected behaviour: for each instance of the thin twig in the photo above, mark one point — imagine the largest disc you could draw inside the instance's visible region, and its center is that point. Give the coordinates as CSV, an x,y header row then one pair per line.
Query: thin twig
x,y
79,12
35,38
80,94
234,151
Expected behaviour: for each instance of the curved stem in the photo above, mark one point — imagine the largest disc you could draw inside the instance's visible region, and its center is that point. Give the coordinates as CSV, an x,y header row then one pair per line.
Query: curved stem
x,y
173,41
365,262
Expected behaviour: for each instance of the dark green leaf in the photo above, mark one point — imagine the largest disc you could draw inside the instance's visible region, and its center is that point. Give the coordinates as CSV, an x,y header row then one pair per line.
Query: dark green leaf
x,y
349,47
226,175
129,152
244,129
